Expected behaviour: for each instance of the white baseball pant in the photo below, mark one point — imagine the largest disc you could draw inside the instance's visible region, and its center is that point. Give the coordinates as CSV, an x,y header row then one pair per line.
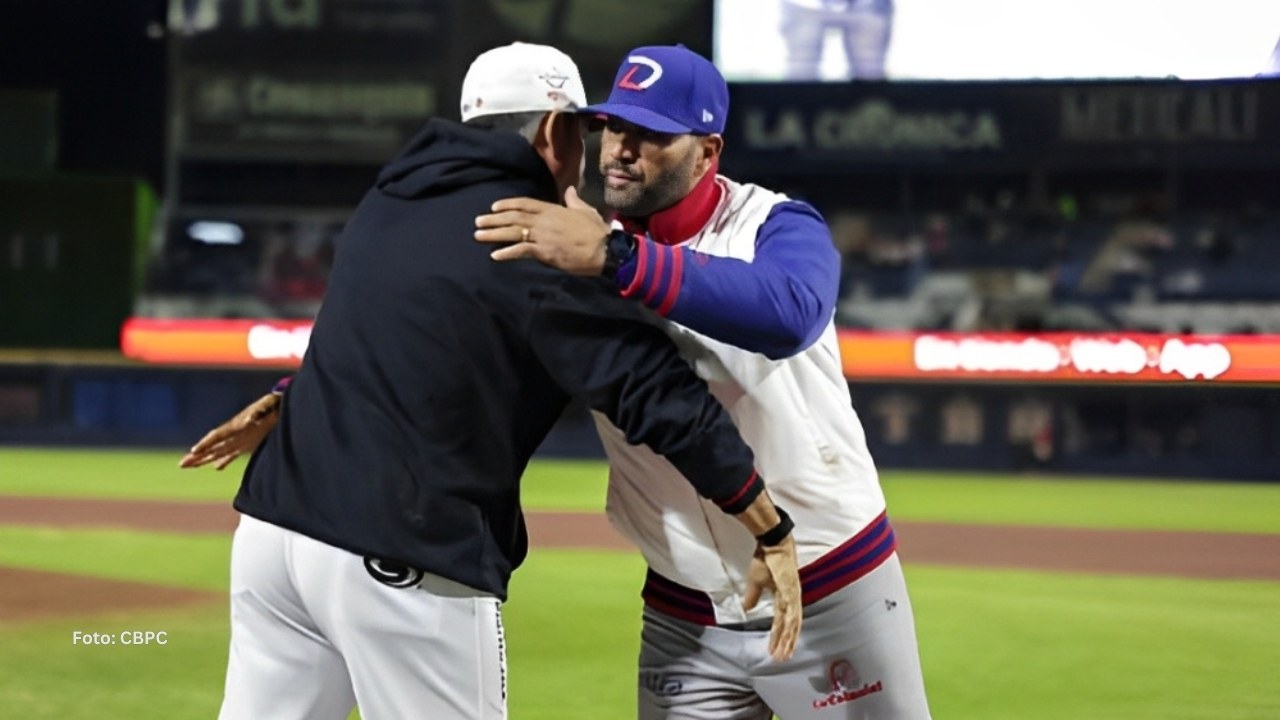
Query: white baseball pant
x,y
313,635
856,659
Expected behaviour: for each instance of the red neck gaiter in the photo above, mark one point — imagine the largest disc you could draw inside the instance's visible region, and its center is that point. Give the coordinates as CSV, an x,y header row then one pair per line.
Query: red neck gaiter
x,y
674,225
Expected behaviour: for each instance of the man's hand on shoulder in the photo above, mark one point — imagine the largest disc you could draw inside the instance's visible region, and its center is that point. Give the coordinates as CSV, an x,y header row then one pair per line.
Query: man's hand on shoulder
x,y
570,237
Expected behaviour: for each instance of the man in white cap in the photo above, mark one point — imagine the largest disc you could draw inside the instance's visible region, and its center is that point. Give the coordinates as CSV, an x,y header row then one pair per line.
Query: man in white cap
x,y
381,520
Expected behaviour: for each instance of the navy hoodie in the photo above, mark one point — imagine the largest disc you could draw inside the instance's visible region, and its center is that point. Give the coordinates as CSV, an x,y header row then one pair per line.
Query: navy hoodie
x,y
433,373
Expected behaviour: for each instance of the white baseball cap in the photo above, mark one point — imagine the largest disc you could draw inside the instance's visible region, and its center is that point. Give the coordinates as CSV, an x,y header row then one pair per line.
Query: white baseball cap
x,y
521,77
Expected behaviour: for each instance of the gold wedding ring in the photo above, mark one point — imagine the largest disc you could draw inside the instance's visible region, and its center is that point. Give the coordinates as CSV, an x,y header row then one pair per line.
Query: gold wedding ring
x,y
524,234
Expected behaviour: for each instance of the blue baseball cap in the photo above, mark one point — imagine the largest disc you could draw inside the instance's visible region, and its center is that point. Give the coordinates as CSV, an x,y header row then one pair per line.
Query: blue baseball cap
x,y
669,89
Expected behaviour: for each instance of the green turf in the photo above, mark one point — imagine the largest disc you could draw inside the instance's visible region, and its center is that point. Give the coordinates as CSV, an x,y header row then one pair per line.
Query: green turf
x,y
996,645
1077,502
112,474
1018,645
579,485
565,485
43,675
573,625
154,475
190,561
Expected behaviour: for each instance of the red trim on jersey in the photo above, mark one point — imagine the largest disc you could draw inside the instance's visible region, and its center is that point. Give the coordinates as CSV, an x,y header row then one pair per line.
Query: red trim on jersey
x,y
751,481
853,559
837,569
683,220
642,264
673,284
654,282
676,600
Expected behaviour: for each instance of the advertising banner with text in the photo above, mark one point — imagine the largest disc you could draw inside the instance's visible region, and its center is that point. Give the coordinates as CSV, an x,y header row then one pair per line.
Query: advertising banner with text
x,y
827,127
305,80
1060,357
1046,357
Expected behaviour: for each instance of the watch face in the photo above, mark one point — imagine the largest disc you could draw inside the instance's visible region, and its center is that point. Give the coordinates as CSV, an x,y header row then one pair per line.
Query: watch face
x,y
619,246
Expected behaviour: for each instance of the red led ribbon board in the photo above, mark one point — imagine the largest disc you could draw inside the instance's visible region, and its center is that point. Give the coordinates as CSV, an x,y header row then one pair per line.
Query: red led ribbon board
x,y
1068,357
1046,357
277,343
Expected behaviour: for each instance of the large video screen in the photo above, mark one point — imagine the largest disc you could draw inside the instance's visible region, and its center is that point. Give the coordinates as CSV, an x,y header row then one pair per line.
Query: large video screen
x,y
814,40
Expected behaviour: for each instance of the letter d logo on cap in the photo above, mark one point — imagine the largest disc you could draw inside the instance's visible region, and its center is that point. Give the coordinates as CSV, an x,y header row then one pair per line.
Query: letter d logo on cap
x,y
627,82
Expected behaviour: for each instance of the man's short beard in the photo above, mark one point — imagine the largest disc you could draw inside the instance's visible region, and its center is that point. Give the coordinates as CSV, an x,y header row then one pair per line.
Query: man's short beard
x,y
629,201
637,201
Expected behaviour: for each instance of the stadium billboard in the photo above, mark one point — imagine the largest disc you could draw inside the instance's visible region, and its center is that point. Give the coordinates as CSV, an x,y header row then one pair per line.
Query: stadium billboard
x,y
1060,357
880,355
841,40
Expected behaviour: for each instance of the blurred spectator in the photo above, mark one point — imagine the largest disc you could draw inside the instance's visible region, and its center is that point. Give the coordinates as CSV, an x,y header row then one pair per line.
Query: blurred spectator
x,y
297,263
852,236
1187,281
1126,258
876,260
204,266
936,239
1030,437
1216,244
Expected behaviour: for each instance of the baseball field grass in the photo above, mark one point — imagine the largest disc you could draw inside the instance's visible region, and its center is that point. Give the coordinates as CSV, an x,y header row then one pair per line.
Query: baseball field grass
x,y
995,644
1094,502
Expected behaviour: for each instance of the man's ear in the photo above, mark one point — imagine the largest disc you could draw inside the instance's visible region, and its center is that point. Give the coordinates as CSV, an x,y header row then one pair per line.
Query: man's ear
x,y
549,147
710,146
556,131
565,128
544,138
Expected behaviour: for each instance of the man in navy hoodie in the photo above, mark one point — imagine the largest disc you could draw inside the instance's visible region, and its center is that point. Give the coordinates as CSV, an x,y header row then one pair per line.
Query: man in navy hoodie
x,y
381,520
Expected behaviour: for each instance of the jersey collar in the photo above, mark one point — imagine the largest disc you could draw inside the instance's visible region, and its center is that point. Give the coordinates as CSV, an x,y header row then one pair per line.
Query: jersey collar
x,y
674,225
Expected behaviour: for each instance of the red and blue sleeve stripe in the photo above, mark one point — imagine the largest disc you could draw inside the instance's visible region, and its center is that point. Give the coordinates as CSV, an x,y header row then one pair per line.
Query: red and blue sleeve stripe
x,y
776,305
837,569
654,275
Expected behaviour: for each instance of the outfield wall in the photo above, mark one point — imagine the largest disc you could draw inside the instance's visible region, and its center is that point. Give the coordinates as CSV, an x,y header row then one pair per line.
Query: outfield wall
x,y
1194,430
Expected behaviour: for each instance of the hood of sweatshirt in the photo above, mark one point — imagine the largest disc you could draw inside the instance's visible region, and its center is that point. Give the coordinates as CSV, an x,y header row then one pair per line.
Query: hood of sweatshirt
x,y
445,156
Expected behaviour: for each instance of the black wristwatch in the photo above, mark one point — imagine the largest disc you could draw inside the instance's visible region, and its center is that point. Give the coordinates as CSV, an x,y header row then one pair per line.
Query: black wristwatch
x,y
777,533
619,246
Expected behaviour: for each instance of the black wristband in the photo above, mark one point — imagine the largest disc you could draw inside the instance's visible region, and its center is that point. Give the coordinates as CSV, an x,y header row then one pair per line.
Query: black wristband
x,y
619,246
779,532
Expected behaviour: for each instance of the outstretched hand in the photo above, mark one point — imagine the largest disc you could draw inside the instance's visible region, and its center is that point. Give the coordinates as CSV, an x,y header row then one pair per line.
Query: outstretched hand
x,y
241,434
570,237
776,569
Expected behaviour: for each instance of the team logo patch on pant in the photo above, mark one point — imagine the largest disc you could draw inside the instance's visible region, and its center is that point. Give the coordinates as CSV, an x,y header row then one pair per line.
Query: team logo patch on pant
x,y
391,573
843,684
